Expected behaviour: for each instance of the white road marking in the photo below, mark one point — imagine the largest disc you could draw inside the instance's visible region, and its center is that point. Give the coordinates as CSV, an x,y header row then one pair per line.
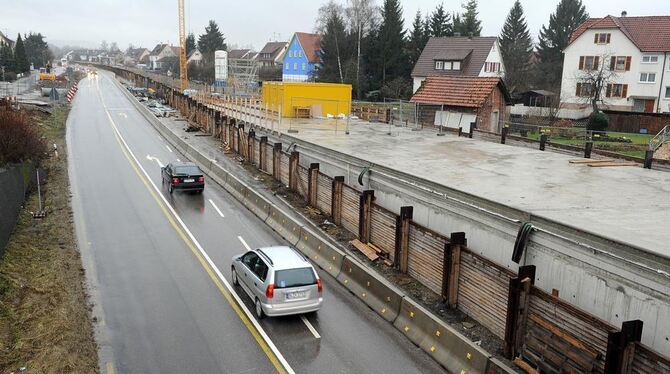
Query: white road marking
x,y
310,327
168,148
211,263
152,158
216,207
123,115
244,243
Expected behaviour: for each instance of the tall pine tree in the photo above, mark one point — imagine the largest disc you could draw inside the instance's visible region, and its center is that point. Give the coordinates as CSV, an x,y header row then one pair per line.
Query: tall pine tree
x,y
190,43
6,58
417,40
469,24
554,38
212,40
516,48
458,24
391,43
21,63
440,24
335,51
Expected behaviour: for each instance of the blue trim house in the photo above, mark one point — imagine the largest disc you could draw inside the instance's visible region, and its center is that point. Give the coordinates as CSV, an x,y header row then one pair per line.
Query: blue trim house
x,y
301,59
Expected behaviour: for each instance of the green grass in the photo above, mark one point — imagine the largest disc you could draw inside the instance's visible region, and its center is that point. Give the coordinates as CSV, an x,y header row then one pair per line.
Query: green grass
x,y
634,149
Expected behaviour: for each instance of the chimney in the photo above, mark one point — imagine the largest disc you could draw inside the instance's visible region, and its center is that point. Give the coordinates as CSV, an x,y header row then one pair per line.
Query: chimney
x,y
624,13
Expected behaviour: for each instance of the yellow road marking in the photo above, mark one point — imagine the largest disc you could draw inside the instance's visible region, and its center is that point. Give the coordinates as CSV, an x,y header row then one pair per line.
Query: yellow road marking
x,y
245,320
110,368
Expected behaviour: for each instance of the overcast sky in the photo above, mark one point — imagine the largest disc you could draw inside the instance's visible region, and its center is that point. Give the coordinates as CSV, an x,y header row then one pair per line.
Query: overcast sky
x,y
244,23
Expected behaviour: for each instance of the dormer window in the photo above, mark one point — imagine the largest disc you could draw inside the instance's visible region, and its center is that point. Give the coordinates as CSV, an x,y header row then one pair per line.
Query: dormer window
x,y
447,65
439,65
602,38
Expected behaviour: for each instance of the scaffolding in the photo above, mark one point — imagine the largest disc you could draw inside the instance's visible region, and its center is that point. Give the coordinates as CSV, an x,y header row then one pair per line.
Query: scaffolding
x,y
242,77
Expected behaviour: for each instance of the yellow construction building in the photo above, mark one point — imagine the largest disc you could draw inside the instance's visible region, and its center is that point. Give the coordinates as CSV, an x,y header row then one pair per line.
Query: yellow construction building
x,y
307,100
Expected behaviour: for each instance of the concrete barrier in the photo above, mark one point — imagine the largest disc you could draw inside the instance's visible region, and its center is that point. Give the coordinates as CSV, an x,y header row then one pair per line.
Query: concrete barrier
x,y
257,204
375,291
321,253
282,224
444,344
496,366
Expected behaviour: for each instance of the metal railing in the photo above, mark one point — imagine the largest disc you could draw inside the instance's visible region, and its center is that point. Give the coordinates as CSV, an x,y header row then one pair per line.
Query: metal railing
x,y
661,138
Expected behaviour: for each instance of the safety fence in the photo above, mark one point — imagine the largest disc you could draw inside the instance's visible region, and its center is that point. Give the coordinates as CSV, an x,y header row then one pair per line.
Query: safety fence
x,y
543,330
15,181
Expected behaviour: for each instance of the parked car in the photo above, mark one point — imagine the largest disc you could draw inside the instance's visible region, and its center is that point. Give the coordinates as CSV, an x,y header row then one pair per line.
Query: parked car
x,y
279,280
184,176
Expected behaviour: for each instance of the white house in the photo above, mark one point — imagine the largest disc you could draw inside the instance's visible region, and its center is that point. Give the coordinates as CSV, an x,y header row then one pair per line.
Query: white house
x,y
469,56
160,52
635,54
194,57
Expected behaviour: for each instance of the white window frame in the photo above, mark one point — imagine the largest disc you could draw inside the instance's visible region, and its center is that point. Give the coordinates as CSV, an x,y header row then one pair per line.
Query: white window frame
x,y
667,92
299,53
304,66
295,66
649,57
646,76
448,65
456,65
439,65
288,66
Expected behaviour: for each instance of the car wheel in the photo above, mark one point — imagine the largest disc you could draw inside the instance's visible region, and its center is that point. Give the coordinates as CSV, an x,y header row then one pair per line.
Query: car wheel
x,y
259,310
170,188
235,281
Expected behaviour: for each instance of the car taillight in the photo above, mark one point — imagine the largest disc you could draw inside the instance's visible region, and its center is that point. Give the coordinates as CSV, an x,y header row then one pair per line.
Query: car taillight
x,y
270,291
175,180
319,285
201,179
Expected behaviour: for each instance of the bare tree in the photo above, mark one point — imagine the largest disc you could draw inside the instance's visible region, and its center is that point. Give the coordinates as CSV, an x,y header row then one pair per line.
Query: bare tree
x,y
598,73
361,15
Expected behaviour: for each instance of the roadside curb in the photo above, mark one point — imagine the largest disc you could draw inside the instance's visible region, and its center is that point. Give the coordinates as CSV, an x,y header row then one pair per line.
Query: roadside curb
x,y
454,351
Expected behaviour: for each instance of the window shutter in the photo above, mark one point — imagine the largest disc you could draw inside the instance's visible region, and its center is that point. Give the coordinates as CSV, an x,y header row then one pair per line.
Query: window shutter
x,y
612,62
595,39
596,63
609,90
628,58
581,62
608,37
624,91
579,90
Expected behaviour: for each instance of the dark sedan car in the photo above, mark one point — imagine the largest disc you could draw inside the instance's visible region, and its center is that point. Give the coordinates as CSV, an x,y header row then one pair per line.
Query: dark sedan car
x,y
185,176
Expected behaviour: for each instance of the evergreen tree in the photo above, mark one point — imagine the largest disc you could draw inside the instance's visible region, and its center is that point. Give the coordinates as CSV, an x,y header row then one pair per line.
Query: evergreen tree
x,y
417,40
190,43
440,24
37,50
21,63
555,37
458,24
391,43
6,58
334,49
516,48
212,40
469,23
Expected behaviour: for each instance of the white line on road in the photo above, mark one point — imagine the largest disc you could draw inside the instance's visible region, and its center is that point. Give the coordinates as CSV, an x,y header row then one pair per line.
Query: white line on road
x,y
152,158
244,243
168,147
310,327
216,207
204,254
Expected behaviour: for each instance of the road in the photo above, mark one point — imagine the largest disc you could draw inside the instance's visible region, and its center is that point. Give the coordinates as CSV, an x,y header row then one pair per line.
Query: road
x,y
158,266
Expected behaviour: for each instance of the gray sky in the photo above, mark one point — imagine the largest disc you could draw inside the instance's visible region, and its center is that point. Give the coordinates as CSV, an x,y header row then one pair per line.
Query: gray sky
x,y
244,23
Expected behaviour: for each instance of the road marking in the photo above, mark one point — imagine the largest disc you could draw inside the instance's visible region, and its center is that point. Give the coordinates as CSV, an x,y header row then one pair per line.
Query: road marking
x,y
256,330
123,115
110,368
310,327
152,158
168,148
216,207
244,243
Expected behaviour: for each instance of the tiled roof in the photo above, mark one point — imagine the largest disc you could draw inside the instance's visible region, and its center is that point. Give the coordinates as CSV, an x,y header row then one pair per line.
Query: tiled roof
x,y
649,33
456,91
454,46
311,44
238,53
176,50
157,49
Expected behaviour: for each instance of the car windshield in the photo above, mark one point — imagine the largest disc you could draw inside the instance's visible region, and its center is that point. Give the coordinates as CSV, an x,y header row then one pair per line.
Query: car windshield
x,y
187,170
294,278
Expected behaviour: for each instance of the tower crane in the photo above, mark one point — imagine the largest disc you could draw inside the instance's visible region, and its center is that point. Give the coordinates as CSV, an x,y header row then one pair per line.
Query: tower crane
x,y
183,68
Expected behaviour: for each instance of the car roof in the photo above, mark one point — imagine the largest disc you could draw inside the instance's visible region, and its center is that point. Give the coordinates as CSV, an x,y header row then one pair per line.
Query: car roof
x,y
183,163
284,257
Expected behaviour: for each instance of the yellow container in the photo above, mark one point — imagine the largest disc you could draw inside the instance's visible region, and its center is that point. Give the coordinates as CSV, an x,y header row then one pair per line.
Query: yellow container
x,y
306,98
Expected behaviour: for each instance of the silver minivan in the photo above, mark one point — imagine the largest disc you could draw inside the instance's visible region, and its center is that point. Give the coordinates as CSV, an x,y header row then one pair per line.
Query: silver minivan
x,y
280,281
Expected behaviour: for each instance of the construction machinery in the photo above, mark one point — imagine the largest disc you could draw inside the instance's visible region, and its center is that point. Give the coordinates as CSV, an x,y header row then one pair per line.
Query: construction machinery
x,y
183,68
46,74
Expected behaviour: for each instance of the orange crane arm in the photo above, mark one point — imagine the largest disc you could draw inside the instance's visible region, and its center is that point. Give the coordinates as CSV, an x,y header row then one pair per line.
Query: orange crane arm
x,y
183,68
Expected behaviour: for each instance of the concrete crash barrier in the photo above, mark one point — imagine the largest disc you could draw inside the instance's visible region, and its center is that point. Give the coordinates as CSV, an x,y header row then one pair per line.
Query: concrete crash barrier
x,y
236,188
257,204
498,367
198,157
380,295
444,344
285,226
321,253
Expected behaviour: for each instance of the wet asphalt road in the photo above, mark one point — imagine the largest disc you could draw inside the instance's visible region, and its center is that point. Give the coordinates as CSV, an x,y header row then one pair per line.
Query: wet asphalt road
x,y
160,306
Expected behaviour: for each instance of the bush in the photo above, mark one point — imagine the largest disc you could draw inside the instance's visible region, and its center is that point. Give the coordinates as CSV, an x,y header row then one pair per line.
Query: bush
x,y
598,122
10,76
19,140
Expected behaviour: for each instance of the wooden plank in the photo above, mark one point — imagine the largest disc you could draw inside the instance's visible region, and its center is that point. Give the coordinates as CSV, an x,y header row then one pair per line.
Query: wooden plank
x,y
367,251
610,164
589,161
524,366
558,332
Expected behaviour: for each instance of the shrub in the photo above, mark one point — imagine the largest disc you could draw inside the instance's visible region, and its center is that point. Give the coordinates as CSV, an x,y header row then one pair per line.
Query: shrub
x,y
19,140
10,76
598,122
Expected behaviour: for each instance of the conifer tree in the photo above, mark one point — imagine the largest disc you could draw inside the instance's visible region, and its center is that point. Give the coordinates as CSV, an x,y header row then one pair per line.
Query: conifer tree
x,y
516,48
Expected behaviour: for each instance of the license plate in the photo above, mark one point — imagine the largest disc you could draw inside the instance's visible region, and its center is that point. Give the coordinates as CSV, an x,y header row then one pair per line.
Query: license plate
x,y
295,295
189,180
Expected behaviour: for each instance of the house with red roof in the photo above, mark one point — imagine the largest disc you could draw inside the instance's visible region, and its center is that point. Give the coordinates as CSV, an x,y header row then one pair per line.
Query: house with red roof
x,y
302,58
634,55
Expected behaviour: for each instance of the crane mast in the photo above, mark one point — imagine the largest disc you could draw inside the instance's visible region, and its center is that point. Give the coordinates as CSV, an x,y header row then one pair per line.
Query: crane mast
x,y
183,68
